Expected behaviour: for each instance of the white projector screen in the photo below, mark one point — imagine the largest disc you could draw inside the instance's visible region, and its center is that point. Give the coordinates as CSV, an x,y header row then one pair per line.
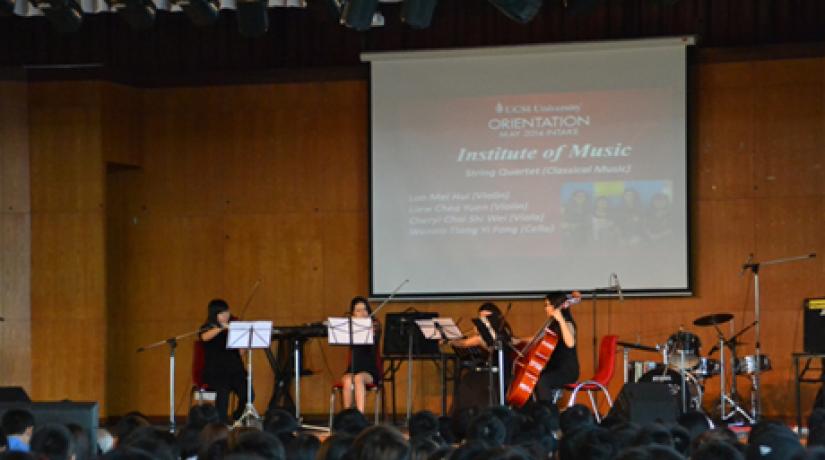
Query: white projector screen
x,y
515,171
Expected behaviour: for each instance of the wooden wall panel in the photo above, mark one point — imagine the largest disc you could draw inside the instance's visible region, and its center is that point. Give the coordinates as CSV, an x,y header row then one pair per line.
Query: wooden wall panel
x,y
68,274
121,125
269,182
15,236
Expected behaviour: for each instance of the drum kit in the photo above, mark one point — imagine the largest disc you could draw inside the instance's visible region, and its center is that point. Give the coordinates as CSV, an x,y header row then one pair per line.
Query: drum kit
x,y
686,370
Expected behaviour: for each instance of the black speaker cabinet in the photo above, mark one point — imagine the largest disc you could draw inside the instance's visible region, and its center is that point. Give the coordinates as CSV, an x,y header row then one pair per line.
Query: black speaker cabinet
x,y
84,414
813,340
395,335
645,403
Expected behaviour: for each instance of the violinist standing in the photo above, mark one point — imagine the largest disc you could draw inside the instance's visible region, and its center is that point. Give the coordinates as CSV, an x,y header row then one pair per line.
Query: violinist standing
x,y
223,370
563,367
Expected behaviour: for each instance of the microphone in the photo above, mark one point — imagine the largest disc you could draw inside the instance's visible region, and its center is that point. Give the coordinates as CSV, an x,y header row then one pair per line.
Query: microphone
x,y
616,285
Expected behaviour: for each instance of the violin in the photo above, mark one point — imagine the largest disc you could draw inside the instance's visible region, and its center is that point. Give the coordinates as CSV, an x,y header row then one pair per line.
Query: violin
x,y
534,357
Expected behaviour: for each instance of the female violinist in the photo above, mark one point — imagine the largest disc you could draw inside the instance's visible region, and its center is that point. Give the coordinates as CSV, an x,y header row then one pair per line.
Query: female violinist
x,y
363,368
563,366
477,384
223,370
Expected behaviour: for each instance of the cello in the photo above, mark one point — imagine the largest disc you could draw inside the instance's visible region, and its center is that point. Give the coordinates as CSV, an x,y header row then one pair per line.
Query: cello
x,y
534,357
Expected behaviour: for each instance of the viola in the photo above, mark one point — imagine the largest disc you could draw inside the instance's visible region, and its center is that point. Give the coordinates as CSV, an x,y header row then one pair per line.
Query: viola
x,y
534,357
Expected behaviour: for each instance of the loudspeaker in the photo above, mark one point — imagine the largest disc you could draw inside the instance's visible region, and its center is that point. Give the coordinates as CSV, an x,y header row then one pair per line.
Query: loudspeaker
x,y
395,337
813,340
14,394
645,403
84,414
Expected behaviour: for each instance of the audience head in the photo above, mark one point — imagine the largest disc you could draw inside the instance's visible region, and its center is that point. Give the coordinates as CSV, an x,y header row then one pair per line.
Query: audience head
x,y
380,442
773,442
650,452
349,422
716,450
18,422
81,441
461,422
335,447
575,416
422,447
653,433
505,453
53,442
126,425
303,447
158,442
488,429
424,424
261,444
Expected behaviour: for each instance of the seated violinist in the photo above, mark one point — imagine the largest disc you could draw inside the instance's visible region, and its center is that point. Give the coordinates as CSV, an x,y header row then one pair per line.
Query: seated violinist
x,y
477,385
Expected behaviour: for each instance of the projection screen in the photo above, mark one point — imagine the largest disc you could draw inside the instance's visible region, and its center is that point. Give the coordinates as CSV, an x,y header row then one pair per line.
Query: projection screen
x,y
515,171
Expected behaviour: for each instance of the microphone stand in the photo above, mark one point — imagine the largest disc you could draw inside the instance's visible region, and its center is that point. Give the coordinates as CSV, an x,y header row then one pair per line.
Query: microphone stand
x,y
409,350
594,296
754,267
172,342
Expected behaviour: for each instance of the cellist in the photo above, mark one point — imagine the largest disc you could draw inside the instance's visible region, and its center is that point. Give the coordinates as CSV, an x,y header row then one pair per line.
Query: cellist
x,y
563,366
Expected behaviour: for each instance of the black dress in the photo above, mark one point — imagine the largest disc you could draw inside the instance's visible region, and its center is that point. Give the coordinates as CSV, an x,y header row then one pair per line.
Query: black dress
x,y
223,372
563,368
365,358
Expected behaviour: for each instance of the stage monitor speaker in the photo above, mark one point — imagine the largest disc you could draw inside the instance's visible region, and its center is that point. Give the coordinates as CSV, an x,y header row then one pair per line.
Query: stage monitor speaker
x,y
14,394
84,414
395,336
645,403
813,340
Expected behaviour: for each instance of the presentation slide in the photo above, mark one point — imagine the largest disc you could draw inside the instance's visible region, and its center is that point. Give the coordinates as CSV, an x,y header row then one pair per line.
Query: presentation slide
x,y
523,170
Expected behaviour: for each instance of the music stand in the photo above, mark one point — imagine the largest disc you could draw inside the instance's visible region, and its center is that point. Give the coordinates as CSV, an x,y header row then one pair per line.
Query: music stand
x,y
350,331
248,335
439,329
486,330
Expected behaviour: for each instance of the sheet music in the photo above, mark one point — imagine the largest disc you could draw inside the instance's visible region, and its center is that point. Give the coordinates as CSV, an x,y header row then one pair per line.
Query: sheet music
x,y
338,331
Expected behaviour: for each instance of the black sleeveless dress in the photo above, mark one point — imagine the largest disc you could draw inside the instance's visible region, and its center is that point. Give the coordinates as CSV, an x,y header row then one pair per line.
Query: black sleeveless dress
x,y
563,367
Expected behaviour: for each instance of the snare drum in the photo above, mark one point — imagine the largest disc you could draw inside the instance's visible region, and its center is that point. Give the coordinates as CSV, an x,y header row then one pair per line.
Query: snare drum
x,y
683,350
747,364
636,369
706,368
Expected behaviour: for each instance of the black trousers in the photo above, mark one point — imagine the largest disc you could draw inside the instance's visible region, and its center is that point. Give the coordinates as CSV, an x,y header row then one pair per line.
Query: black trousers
x,y
223,386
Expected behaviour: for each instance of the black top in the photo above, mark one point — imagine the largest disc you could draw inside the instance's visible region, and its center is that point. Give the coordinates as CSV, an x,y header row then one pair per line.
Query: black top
x,y
365,357
220,363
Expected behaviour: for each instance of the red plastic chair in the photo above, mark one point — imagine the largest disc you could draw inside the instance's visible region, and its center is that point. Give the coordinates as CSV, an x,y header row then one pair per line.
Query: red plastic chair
x,y
375,387
200,391
600,381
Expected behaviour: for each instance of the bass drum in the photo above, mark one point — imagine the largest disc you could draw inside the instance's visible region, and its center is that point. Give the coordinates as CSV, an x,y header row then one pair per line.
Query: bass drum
x,y
673,380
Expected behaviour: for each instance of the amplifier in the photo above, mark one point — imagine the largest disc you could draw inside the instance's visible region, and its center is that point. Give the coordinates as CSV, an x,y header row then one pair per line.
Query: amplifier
x,y
814,326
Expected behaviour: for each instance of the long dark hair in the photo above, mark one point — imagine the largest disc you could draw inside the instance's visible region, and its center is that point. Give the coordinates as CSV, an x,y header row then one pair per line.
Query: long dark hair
x,y
496,318
359,299
215,307
557,298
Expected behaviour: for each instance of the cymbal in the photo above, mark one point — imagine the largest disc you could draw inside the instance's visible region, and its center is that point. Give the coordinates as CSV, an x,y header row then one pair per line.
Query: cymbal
x,y
713,319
